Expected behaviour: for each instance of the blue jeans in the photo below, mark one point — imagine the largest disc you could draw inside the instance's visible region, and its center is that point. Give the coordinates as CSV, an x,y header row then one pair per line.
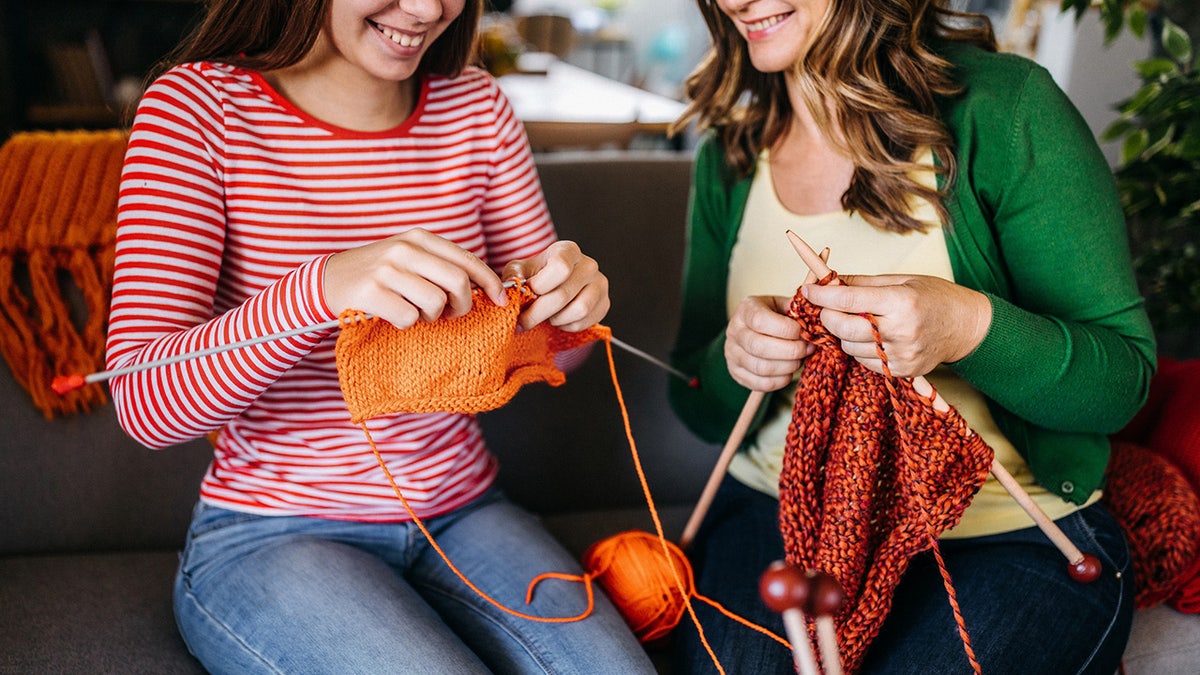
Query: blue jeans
x,y
1023,613
259,594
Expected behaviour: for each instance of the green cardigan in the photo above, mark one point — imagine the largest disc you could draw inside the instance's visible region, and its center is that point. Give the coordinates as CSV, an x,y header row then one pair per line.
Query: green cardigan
x,y
1035,224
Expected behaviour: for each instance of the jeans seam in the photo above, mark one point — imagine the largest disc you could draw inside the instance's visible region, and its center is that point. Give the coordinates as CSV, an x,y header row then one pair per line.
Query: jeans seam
x,y
1090,533
208,616
516,636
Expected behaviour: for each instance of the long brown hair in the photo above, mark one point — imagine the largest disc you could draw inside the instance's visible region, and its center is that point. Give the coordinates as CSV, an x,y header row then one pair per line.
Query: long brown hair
x,y
870,71
273,34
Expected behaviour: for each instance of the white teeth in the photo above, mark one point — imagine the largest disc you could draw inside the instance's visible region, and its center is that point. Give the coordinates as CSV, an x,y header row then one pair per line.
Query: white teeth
x,y
766,23
402,39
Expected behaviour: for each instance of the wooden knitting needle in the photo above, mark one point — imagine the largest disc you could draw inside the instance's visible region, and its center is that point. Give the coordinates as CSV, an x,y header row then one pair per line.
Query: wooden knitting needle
x,y
1082,567
736,436
785,589
825,598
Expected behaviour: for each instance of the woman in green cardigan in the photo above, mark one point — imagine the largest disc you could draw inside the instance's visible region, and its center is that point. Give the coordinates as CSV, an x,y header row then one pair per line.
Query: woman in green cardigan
x,y
968,208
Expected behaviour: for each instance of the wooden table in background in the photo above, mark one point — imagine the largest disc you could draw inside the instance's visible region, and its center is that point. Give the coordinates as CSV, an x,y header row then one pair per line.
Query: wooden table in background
x,y
570,107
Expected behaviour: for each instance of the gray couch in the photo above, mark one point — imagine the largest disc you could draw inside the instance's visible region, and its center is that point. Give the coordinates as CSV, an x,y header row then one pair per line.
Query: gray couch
x,y
90,522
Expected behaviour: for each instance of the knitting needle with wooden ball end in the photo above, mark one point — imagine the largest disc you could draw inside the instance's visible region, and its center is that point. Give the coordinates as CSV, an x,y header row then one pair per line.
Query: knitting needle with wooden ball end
x,y
1082,567
785,589
825,597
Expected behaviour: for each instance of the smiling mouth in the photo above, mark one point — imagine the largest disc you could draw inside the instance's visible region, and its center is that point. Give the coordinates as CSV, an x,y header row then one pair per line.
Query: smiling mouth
x,y
402,39
767,22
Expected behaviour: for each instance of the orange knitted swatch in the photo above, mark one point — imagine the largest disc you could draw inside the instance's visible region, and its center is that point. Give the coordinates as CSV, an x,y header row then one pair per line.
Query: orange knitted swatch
x,y
872,474
467,364
58,216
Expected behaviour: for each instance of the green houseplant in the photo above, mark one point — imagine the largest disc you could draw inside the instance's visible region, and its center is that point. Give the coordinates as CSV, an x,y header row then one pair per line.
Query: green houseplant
x,y
1158,176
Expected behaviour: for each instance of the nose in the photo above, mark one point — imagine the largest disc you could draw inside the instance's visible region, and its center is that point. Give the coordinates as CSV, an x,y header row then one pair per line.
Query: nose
x,y
424,11
734,6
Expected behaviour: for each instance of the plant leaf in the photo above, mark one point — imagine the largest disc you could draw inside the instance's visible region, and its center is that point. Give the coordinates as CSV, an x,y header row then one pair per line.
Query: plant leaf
x,y
1134,144
1176,42
1151,69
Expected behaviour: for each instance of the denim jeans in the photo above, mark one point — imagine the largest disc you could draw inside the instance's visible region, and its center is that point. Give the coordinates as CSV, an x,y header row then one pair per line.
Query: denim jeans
x,y
1022,612
257,594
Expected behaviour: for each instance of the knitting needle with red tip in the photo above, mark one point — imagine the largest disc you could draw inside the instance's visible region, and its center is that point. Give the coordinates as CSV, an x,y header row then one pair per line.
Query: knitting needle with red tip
x,y
1083,567
693,382
68,383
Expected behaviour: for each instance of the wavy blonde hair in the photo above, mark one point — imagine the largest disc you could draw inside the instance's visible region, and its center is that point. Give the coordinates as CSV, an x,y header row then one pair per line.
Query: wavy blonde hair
x,y
871,72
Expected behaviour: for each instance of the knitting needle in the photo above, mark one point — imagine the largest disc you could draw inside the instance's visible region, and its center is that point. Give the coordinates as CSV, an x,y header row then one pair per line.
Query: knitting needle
x,y
736,436
825,598
63,384
786,590
693,382
1082,567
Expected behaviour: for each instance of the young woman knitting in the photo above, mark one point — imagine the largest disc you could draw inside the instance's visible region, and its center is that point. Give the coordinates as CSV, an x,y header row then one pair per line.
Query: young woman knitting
x,y
969,212
298,159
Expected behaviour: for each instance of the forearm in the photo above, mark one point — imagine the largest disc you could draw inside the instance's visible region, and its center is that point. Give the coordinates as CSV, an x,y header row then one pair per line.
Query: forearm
x,y
171,404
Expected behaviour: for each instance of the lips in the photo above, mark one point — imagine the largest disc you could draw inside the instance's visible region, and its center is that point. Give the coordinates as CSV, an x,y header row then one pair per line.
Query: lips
x,y
401,38
763,26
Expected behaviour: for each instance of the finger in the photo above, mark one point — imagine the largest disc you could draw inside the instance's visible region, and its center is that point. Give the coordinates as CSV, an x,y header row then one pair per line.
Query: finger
x,y
553,267
570,313
849,299
847,327
478,273
862,280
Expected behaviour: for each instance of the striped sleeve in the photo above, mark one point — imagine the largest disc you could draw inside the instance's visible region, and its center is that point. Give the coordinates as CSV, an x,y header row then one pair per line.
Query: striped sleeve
x,y
169,251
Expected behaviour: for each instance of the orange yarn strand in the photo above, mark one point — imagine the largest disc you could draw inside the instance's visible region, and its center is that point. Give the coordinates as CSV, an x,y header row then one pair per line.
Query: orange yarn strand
x,y
586,578
424,369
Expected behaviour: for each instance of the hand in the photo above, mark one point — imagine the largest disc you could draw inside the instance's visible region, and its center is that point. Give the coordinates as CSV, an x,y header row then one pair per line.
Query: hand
x,y
763,348
572,293
413,276
923,321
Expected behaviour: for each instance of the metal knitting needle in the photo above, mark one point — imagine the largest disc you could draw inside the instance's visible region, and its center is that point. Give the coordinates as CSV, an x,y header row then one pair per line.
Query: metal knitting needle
x,y
736,436
67,383
692,381
1082,567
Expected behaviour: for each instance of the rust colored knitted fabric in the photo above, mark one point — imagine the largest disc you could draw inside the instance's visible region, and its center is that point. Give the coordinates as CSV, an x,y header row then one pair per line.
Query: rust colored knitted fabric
x,y
1168,426
871,476
466,364
58,215
1160,514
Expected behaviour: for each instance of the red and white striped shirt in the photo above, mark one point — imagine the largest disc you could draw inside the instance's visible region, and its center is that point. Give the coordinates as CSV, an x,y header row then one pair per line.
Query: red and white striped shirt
x,y
231,201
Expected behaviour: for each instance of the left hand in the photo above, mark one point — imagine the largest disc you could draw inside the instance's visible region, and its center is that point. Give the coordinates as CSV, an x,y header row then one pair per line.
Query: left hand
x,y
923,321
572,292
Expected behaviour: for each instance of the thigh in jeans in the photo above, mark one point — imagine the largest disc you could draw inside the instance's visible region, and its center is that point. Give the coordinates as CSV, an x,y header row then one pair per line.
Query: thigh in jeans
x,y
1023,613
282,594
500,548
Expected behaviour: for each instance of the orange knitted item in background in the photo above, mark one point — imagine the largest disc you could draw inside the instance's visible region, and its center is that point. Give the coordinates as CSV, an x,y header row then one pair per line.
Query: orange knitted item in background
x,y
467,364
871,476
58,214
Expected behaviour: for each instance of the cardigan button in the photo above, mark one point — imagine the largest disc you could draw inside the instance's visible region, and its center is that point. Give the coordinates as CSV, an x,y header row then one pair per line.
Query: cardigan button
x,y
1068,487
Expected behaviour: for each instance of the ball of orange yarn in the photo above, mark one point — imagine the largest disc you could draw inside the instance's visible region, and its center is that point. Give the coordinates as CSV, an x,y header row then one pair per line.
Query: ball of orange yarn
x,y
634,571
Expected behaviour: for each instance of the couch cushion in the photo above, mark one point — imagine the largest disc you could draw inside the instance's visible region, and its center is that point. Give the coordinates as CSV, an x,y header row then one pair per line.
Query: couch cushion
x,y
90,613
564,450
80,483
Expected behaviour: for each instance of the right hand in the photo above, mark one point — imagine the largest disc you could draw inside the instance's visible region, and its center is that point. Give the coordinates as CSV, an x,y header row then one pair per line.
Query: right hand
x,y
763,347
412,276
